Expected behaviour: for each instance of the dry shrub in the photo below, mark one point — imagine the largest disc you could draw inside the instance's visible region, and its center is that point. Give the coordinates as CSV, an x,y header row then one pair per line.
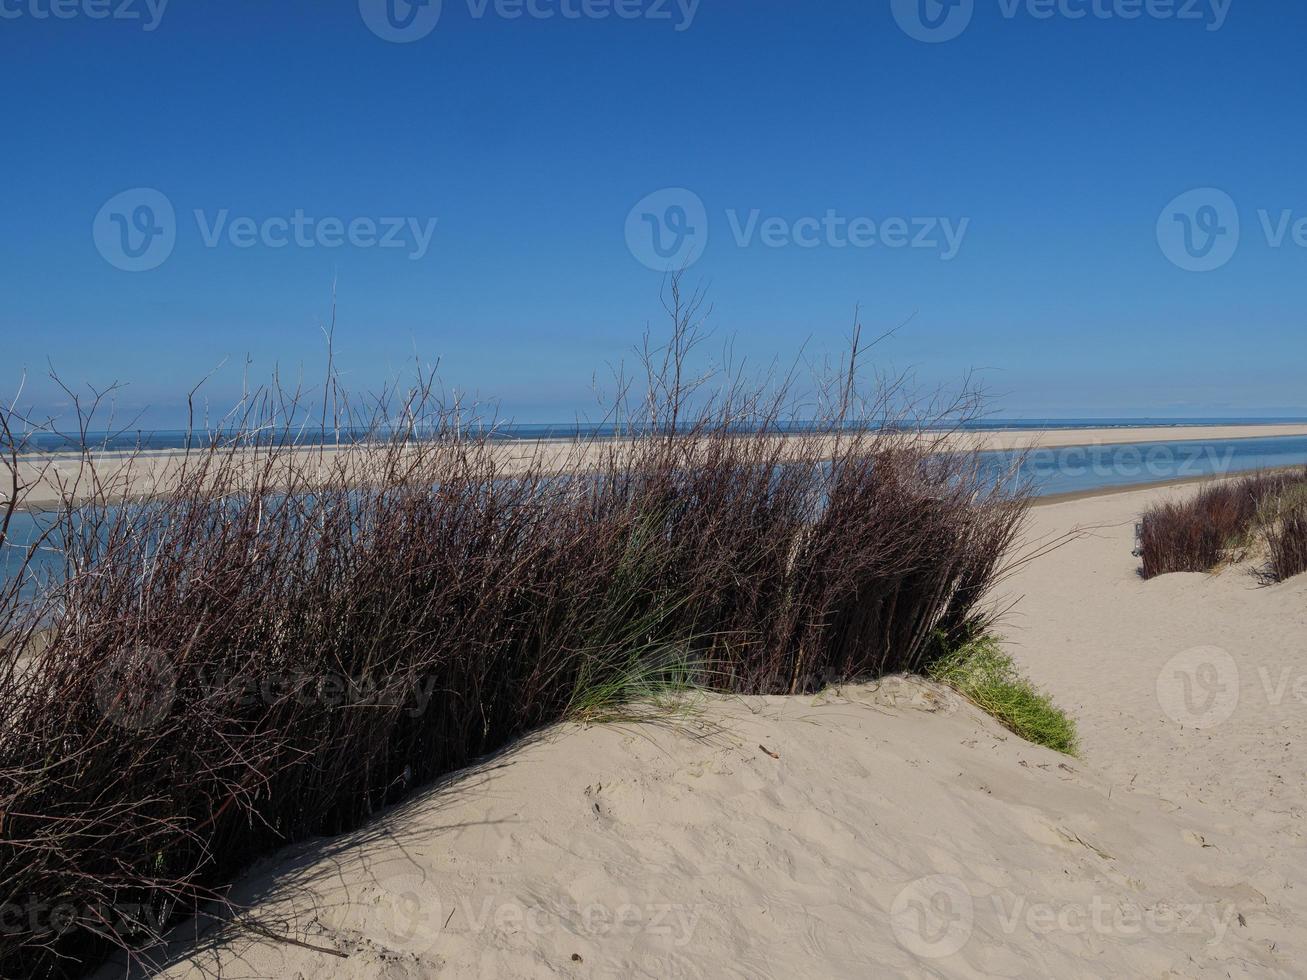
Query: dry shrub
x,y
1197,534
1286,540
288,638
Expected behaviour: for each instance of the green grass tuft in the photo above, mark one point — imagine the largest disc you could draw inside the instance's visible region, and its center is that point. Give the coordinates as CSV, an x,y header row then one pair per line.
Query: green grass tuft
x,y
632,666
981,672
642,689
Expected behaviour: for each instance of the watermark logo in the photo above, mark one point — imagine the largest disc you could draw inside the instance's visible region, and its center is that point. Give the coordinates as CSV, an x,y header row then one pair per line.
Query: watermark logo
x,y
404,21
135,688
1199,230
415,916
834,230
400,21
935,916
302,230
668,229
41,919
932,917
1210,13
405,691
409,912
148,13
1283,226
1106,916
933,21
136,230
1199,687
1126,463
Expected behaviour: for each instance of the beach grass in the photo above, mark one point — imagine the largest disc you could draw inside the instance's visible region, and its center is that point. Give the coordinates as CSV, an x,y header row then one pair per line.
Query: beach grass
x,y
279,643
642,689
1229,521
980,671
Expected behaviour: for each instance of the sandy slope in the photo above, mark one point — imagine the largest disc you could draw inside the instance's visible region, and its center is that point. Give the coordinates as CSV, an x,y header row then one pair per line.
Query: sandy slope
x,y
1191,686
888,831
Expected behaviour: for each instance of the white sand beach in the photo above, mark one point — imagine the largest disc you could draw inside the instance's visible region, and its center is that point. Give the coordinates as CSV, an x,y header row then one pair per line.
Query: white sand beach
x,y
881,830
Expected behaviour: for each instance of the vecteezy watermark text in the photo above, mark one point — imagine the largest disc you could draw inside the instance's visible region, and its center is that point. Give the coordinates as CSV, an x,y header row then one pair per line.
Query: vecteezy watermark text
x,y
137,687
136,230
415,915
669,229
407,691
40,919
934,917
936,21
148,13
405,21
679,13
833,230
305,231
1211,14
1132,462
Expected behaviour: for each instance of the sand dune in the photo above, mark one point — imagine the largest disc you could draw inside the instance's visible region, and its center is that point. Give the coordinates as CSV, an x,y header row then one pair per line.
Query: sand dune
x,y
1191,686
884,830
889,830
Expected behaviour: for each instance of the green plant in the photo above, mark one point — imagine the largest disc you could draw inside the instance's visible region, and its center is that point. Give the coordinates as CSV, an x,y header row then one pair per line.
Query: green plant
x,y
650,684
981,672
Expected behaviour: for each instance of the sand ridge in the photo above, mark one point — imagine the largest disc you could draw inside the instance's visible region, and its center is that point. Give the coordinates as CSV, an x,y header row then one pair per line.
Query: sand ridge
x,y
887,830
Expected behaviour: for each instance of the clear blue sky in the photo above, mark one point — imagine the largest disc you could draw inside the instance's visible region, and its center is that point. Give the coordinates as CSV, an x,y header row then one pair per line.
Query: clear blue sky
x,y
1058,140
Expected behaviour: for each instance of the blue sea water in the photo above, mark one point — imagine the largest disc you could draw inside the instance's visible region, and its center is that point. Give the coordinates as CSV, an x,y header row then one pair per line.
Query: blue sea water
x,y
1080,469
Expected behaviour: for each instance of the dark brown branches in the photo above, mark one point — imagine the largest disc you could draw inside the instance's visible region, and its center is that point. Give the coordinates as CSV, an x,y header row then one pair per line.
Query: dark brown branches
x,y
279,639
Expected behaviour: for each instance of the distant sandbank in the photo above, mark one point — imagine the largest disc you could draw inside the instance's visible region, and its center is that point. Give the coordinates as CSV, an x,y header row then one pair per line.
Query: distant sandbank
x,y
130,476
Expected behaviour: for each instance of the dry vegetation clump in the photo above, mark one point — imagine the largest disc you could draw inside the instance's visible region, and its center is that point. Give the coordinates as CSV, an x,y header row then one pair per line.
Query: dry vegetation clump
x,y
1263,512
287,639
1283,526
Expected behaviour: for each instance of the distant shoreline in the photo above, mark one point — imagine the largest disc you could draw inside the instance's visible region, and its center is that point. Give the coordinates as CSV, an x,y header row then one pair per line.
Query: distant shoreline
x,y
1052,433
991,438
149,466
